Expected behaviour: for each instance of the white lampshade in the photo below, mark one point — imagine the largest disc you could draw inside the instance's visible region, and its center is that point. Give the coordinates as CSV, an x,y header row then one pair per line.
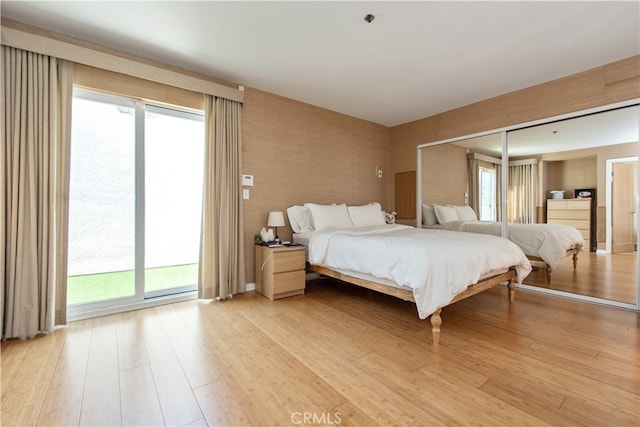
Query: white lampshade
x,y
276,219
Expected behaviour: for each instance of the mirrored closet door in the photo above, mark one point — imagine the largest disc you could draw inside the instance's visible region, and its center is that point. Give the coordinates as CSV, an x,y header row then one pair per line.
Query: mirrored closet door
x,y
583,173
579,170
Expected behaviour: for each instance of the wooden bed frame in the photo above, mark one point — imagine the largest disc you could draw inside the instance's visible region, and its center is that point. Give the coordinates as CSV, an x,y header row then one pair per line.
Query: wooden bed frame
x,y
547,268
406,295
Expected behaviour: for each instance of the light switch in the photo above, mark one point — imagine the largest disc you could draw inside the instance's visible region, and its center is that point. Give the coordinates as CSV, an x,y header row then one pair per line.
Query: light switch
x,y
245,193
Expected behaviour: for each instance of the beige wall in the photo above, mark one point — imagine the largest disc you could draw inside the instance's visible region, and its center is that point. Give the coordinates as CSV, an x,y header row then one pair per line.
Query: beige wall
x,y
300,153
446,165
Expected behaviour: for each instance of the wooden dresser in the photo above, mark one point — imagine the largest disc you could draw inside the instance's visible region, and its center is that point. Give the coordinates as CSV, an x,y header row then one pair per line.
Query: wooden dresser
x,y
573,212
280,271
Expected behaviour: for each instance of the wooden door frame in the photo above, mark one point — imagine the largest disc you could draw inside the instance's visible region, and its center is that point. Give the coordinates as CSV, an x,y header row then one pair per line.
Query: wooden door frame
x,y
608,203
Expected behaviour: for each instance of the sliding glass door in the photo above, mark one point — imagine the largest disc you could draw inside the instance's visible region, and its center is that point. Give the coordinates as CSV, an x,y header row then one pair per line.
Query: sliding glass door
x,y
101,201
135,201
174,147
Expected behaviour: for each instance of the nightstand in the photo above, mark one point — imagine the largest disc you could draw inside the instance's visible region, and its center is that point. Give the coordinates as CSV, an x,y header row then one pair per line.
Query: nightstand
x,y
280,272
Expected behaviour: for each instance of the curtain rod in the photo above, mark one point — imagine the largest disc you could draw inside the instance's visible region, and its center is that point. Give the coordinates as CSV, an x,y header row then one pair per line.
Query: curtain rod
x,y
83,55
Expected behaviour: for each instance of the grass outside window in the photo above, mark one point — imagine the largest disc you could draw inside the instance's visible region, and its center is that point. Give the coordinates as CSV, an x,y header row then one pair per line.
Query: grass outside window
x,y
95,287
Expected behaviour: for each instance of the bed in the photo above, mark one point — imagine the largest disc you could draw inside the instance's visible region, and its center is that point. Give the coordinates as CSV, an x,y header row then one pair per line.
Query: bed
x,y
545,243
432,268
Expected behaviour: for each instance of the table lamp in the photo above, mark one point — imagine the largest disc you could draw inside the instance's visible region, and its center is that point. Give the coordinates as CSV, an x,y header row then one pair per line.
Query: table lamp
x,y
276,219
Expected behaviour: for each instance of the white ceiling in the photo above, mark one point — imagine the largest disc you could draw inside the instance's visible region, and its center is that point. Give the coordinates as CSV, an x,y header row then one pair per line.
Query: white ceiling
x,y
415,59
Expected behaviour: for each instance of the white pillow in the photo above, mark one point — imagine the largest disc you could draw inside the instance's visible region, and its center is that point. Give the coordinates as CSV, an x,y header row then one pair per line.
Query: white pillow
x,y
428,215
363,216
300,218
329,216
466,213
445,213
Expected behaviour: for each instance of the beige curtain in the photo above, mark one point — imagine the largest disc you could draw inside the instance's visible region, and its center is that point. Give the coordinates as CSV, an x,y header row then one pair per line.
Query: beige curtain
x,y
221,269
521,204
36,95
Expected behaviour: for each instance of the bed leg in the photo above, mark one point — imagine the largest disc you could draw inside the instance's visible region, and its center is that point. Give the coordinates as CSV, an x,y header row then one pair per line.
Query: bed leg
x,y
512,290
575,260
436,322
548,271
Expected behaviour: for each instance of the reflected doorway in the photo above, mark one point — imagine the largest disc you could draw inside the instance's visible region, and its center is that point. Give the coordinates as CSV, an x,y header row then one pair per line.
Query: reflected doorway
x,y
622,175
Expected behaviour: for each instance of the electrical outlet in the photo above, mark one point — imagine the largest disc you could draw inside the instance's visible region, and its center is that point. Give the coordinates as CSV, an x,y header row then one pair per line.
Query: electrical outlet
x,y
245,194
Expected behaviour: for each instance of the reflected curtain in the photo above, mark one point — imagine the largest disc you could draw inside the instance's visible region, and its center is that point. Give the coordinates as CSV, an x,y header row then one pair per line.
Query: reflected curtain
x,y
522,192
221,267
36,93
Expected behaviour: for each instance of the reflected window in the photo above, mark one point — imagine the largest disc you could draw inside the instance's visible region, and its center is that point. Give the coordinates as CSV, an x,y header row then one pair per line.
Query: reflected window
x,y
487,196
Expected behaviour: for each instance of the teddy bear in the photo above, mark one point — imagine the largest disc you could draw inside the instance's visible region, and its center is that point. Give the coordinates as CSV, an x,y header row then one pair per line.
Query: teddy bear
x,y
390,217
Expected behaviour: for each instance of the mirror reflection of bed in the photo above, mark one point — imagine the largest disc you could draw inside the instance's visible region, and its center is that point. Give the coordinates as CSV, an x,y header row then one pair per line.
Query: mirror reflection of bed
x,y
565,157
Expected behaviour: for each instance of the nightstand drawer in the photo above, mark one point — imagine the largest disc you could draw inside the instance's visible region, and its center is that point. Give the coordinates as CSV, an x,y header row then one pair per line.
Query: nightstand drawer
x,y
288,261
288,282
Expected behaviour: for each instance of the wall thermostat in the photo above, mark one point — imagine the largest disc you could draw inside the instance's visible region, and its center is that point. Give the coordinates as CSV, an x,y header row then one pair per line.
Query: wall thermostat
x,y
247,180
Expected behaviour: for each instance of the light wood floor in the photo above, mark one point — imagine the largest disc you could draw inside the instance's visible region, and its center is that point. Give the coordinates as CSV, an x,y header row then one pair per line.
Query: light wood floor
x,y
607,276
339,354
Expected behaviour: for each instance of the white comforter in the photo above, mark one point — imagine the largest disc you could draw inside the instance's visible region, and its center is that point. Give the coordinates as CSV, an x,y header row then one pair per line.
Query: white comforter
x,y
435,264
547,241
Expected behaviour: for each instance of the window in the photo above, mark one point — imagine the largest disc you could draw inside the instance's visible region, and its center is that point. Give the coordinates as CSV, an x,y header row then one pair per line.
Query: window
x,y
487,196
135,201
